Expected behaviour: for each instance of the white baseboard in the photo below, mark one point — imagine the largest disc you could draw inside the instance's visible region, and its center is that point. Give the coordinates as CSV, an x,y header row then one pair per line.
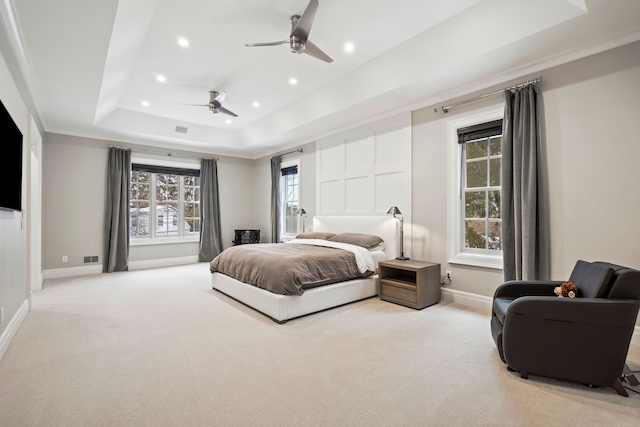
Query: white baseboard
x,y
37,282
58,273
12,328
165,262
484,303
133,265
467,298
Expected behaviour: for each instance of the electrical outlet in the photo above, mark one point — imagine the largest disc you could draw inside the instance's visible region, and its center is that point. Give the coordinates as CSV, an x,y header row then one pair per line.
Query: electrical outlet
x,y
65,258
446,279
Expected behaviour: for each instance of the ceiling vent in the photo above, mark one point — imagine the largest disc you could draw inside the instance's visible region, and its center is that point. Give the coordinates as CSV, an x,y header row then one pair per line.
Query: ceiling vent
x,y
181,129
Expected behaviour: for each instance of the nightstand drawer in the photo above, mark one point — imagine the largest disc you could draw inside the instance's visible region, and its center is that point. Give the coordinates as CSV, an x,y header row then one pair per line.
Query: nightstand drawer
x,y
398,293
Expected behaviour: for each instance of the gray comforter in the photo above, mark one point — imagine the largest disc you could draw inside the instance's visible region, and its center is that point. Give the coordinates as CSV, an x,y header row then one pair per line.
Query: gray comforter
x,y
286,268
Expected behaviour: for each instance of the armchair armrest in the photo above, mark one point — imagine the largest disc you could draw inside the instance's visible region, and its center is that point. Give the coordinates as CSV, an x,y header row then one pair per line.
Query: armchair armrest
x,y
521,288
589,311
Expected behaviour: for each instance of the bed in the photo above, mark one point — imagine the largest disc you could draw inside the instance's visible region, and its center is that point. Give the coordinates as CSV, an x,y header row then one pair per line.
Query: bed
x,y
282,308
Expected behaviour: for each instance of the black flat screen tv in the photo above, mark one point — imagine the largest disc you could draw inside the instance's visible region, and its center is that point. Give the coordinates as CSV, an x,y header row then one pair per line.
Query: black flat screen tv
x,y
10,162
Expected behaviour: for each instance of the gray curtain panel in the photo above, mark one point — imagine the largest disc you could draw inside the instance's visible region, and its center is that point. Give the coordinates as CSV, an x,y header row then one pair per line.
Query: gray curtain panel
x,y
210,231
275,198
525,223
116,224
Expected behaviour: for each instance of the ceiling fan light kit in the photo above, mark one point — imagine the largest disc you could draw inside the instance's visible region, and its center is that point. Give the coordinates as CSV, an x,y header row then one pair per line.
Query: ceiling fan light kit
x,y
215,103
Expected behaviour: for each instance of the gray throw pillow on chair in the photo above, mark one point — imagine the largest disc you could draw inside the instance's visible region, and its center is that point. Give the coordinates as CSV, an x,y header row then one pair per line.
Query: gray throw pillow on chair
x,y
592,279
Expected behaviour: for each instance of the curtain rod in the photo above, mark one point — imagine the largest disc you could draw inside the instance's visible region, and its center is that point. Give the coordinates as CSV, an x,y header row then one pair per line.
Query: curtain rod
x,y
299,150
166,153
519,85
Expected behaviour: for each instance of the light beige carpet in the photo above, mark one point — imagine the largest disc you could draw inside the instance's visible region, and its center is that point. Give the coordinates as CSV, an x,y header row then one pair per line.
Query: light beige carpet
x,y
161,348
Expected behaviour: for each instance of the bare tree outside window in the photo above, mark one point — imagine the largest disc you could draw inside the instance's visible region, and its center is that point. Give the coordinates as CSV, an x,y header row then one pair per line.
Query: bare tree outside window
x,y
192,203
290,200
164,205
483,222
139,203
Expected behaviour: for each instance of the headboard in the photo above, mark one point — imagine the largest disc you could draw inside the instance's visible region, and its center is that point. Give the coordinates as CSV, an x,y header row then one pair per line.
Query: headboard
x,y
384,226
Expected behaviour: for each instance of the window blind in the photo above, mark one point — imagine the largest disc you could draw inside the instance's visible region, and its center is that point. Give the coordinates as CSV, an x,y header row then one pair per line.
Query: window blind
x,y
291,170
136,167
479,131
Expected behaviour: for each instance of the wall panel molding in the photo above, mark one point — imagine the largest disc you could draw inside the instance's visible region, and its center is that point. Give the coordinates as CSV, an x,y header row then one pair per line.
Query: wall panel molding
x,y
365,171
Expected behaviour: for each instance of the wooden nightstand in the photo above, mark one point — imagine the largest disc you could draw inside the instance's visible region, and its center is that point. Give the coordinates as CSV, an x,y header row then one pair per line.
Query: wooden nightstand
x,y
415,284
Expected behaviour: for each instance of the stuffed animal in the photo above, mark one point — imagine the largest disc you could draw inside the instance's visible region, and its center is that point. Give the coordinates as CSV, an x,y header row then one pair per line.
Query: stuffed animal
x,y
567,289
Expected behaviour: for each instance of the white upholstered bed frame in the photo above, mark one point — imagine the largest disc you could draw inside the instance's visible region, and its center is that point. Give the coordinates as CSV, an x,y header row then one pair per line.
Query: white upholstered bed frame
x,y
284,307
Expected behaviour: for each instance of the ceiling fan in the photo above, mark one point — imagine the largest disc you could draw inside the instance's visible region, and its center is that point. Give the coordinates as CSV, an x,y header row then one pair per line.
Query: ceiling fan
x,y
215,103
299,39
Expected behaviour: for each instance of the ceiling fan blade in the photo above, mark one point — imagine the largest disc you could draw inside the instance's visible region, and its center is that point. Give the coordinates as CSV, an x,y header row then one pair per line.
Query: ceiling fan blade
x,y
303,26
195,105
316,52
268,43
225,111
220,97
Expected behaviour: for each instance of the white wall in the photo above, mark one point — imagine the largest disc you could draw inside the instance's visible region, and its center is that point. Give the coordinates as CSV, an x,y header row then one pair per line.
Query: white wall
x,y
74,176
590,111
13,235
262,187
368,153
366,170
237,196
74,196
429,198
34,207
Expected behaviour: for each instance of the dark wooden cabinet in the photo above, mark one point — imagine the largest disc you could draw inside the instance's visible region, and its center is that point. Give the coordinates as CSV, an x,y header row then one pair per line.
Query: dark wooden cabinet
x,y
414,284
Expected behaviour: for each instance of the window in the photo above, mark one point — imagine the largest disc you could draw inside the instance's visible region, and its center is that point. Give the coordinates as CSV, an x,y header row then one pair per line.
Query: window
x,y
482,156
164,202
475,160
290,198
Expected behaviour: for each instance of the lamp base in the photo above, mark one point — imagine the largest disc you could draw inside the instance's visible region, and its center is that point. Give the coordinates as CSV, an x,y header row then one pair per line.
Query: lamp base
x,y
402,258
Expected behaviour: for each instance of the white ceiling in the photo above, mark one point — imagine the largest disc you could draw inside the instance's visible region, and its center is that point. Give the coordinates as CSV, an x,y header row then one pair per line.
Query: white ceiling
x,y
88,65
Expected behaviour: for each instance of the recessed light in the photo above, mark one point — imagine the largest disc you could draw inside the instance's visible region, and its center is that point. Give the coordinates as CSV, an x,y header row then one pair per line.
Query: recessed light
x,y
256,104
228,121
293,81
161,78
145,103
183,42
349,47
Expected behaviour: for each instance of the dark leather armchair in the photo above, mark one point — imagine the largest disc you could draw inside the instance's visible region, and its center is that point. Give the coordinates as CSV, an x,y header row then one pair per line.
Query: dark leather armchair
x,y
583,339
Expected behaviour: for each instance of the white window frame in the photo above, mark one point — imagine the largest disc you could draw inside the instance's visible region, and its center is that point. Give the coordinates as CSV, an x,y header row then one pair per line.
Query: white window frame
x,y
457,253
283,205
152,239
